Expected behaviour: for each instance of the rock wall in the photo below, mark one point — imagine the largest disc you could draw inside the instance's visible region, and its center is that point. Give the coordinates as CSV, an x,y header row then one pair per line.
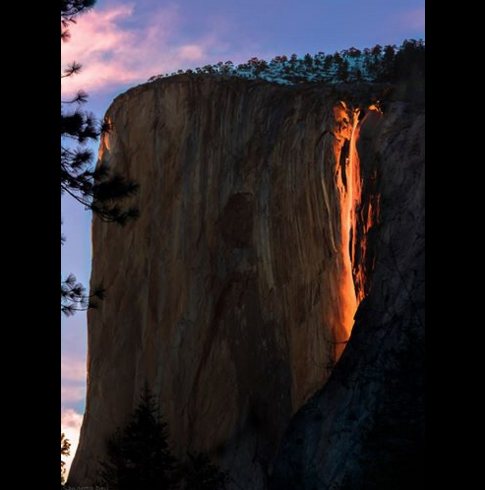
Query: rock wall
x,y
366,429
232,296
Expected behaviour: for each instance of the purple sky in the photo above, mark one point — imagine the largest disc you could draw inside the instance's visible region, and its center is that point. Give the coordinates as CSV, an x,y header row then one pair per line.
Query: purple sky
x,y
123,43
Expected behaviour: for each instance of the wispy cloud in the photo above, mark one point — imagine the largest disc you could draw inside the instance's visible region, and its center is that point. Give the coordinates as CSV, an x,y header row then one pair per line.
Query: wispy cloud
x,y
72,394
73,381
72,369
71,423
115,50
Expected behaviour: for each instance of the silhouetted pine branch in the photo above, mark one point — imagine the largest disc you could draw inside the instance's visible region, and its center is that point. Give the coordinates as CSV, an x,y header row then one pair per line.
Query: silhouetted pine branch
x,y
74,297
97,189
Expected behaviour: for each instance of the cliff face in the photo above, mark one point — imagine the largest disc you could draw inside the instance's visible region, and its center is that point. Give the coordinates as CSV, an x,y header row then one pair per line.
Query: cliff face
x,y
366,429
233,295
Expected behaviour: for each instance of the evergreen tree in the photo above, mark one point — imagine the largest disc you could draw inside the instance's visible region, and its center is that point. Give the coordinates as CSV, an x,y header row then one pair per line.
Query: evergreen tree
x,y
65,451
377,51
201,474
96,189
410,61
138,456
74,297
388,64
343,72
328,62
309,60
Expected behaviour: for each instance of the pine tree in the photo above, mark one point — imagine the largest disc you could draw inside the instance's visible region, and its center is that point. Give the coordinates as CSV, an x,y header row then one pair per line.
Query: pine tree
x,y
328,63
139,456
410,60
201,474
388,64
74,297
343,71
96,189
309,60
65,452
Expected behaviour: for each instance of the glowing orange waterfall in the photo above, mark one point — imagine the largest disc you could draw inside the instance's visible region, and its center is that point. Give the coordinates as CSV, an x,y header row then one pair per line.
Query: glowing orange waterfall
x,y
356,220
349,188
355,191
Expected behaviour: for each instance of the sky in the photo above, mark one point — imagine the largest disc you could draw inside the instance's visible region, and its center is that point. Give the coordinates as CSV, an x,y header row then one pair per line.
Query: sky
x,y
123,43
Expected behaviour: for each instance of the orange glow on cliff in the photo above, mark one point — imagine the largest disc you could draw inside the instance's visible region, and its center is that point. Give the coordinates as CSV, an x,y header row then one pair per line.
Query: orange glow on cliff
x,y
105,145
376,108
369,218
356,220
350,189
366,216
358,272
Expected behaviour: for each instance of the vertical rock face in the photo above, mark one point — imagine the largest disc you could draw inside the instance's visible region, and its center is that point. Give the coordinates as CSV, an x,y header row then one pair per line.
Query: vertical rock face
x,y
365,429
232,295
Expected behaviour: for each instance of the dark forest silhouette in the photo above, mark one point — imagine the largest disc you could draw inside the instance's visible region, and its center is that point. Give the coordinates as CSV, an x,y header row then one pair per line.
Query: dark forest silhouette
x,y
372,65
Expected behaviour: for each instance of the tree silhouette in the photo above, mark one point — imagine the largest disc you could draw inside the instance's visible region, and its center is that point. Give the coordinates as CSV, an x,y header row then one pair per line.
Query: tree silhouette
x,y
139,456
95,188
65,451
410,61
74,296
387,71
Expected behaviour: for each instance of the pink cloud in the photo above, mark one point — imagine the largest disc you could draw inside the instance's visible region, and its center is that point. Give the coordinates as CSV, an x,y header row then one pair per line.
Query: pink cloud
x,y
73,370
71,420
115,54
192,52
73,381
71,423
71,395
73,391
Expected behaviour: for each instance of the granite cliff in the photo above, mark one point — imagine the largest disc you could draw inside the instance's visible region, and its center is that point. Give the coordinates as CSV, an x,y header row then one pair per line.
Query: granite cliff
x,y
366,429
268,214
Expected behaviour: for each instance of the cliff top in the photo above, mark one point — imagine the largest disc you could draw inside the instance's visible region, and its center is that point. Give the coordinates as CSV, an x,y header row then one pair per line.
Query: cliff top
x,y
378,64
361,76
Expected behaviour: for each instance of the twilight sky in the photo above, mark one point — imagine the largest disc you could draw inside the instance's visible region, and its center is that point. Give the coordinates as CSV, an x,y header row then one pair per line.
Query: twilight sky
x,y
122,43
